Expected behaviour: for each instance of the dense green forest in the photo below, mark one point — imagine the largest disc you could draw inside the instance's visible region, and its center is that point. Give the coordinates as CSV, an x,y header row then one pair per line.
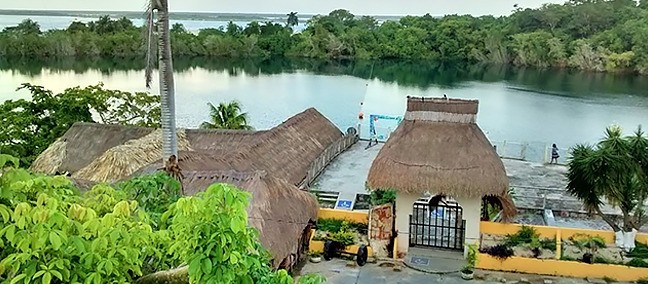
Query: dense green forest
x,y
593,35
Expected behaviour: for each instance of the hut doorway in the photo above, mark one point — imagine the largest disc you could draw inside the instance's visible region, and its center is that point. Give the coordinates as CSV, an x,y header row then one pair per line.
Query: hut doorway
x,y
437,225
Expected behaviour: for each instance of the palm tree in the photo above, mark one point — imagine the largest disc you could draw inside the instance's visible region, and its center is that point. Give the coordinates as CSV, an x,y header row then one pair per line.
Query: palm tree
x,y
167,86
292,19
615,169
226,116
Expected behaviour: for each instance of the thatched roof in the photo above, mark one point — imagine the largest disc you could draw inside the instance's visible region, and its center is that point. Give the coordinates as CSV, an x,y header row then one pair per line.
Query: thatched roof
x,y
277,209
268,164
439,148
82,144
107,153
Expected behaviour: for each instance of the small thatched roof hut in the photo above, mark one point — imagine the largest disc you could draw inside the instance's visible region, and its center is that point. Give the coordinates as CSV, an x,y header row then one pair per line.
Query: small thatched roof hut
x,y
439,148
278,209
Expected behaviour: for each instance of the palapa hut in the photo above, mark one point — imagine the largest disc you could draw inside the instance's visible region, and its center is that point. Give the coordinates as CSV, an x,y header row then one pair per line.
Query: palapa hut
x,y
269,164
438,149
278,209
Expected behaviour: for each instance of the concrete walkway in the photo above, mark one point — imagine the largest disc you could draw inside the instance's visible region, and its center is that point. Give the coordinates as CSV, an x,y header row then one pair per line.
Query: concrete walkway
x,y
336,272
434,261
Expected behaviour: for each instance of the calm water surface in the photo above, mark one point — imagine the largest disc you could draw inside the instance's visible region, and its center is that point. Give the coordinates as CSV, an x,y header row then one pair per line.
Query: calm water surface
x,y
532,106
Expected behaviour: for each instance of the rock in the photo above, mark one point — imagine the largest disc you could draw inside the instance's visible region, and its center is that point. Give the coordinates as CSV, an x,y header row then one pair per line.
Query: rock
x,y
351,263
502,279
524,280
398,268
548,281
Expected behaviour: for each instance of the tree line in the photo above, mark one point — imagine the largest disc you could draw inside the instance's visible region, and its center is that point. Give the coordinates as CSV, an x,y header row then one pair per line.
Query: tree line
x,y
593,35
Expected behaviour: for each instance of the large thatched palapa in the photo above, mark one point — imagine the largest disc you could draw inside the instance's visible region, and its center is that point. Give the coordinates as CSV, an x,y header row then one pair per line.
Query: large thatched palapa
x,y
278,209
439,148
269,164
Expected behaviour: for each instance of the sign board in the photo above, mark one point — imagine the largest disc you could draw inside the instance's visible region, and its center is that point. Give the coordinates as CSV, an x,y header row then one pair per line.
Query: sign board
x,y
344,204
381,126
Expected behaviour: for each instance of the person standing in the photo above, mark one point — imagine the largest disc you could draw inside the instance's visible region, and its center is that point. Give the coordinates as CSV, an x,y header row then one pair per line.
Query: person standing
x,y
554,154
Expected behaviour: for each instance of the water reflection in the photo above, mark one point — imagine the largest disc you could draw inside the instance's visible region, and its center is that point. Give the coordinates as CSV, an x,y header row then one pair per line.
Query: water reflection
x,y
522,105
559,82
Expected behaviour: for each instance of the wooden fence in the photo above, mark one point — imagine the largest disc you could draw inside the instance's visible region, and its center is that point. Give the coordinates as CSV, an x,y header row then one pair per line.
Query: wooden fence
x,y
332,151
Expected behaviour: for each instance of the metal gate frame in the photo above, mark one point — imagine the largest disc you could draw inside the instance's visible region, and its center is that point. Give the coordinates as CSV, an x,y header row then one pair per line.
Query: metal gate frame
x,y
425,231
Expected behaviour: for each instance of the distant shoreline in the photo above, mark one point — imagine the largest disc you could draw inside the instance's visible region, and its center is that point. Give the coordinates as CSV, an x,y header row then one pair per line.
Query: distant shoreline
x,y
196,16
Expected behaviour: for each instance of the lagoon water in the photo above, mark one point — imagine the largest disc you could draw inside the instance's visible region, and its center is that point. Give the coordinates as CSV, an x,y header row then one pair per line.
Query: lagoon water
x,y
521,106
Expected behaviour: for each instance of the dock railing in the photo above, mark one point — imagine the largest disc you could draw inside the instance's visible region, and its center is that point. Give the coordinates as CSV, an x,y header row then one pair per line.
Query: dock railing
x,y
332,151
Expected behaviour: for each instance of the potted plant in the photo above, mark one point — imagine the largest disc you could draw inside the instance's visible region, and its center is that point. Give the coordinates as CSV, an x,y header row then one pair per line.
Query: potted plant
x,y
468,271
315,257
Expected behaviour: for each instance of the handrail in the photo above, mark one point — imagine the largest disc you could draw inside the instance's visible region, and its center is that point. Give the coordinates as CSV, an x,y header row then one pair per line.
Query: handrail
x,y
332,151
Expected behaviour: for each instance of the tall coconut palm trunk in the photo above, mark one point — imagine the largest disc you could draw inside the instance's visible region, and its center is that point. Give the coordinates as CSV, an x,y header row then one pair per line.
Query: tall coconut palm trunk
x,y
165,63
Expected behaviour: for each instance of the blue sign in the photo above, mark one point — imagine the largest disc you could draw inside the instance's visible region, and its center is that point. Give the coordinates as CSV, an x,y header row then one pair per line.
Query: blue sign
x,y
344,204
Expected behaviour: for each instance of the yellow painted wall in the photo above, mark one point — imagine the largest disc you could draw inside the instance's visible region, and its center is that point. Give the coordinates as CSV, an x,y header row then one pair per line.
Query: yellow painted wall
x,y
561,268
354,216
550,232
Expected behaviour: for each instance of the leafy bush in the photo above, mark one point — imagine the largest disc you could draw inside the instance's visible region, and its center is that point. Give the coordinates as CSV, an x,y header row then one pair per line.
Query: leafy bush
x,y
525,235
154,193
337,225
549,244
49,233
500,251
637,262
345,238
586,241
380,197
640,251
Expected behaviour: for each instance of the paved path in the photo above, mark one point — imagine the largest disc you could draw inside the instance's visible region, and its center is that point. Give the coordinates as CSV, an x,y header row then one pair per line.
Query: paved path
x,y
336,272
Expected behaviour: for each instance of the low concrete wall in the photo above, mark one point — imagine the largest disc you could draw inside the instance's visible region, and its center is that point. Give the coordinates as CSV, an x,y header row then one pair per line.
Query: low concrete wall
x,y
561,268
353,216
551,232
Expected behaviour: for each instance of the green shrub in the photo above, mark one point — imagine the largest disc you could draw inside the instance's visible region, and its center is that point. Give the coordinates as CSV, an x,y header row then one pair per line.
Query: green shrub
x,y
337,225
549,244
525,235
640,251
637,262
51,234
380,197
586,241
345,238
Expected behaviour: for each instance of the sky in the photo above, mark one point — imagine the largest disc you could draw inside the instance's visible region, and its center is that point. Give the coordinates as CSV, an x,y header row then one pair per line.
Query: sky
x,y
358,7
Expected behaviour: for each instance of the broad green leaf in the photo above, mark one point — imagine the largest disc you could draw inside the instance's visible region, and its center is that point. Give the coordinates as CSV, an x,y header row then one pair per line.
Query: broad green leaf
x,y
38,274
55,240
207,266
47,278
57,274
18,278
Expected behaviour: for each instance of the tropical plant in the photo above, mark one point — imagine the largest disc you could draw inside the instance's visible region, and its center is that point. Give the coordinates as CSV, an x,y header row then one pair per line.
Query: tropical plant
x,y
30,126
616,170
51,234
226,116
165,66
292,19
